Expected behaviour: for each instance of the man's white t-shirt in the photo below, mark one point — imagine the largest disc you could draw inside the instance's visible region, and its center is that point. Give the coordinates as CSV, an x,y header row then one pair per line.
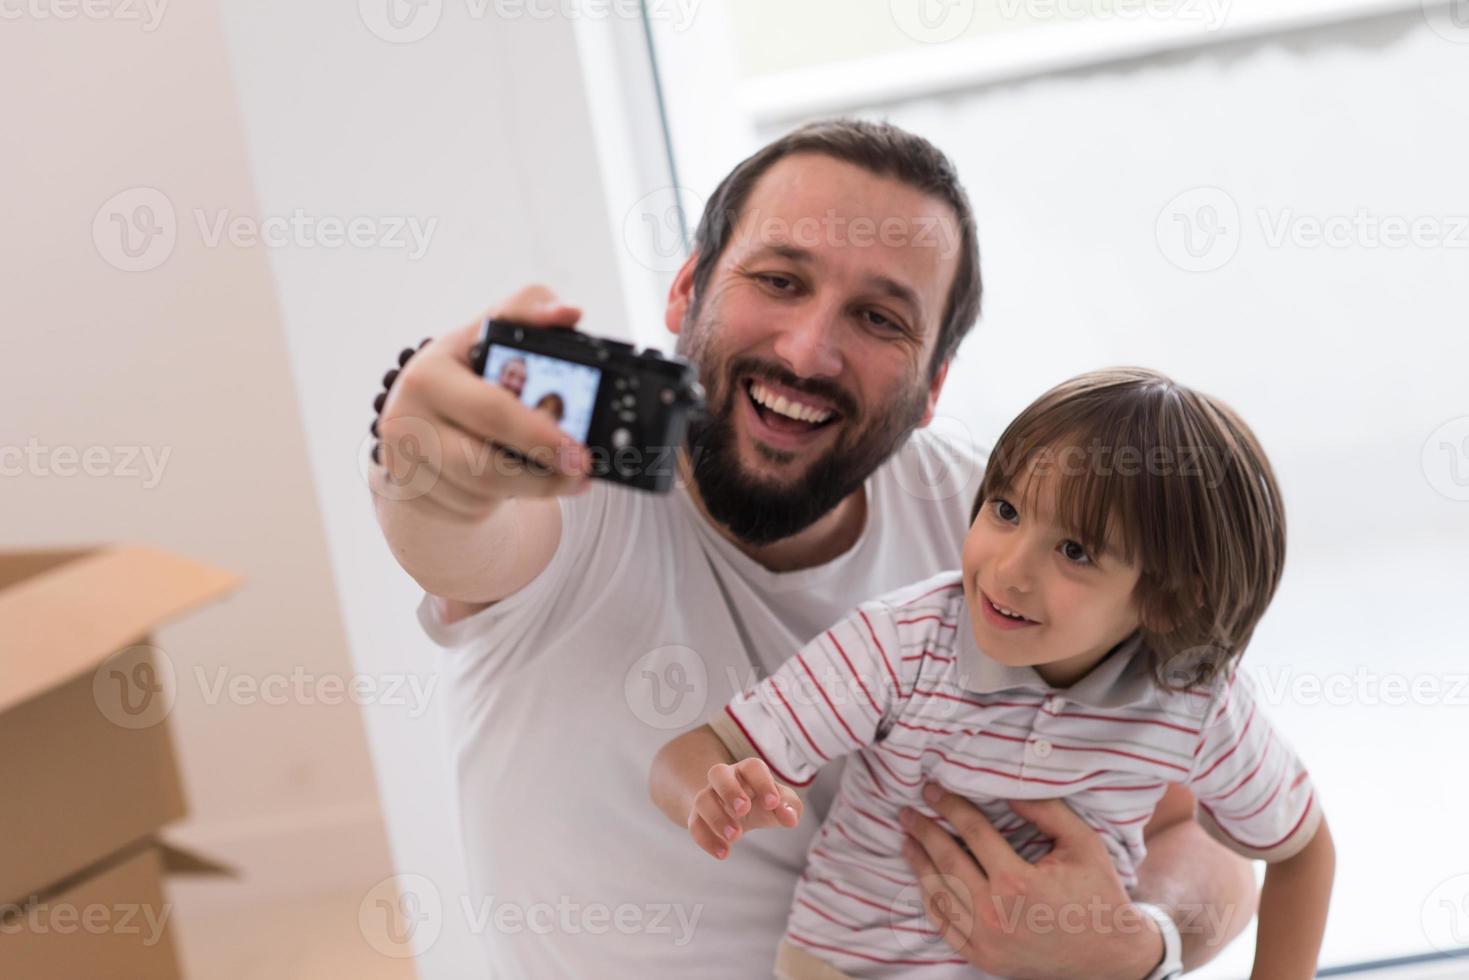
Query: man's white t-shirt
x,y
644,624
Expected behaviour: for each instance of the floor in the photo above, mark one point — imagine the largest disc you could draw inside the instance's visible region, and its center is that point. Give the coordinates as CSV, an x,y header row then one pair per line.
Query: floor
x,y
304,939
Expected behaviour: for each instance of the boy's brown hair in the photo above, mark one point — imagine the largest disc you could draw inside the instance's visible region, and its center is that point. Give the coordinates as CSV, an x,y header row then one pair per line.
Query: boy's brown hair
x,y
1180,484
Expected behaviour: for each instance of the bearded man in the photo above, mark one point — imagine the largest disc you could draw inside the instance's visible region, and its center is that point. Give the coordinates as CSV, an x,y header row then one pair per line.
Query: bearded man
x,y
833,276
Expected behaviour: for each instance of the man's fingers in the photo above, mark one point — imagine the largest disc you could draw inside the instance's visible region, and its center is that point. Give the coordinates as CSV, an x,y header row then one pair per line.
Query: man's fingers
x,y
484,410
949,907
490,472
537,305
942,850
985,842
1057,821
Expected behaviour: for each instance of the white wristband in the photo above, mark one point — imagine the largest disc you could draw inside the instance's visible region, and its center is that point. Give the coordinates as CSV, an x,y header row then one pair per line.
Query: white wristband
x,y
1172,965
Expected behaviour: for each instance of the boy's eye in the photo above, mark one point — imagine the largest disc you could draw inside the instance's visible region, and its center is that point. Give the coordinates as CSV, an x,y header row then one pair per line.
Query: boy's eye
x,y
1005,512
1075,552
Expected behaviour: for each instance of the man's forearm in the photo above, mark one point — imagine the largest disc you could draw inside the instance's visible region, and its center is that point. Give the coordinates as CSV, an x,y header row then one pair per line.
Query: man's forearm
x,y
444,555
1209,889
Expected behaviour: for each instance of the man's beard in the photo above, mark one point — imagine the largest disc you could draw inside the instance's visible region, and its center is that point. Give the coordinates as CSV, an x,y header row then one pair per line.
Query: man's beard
x,y
759,512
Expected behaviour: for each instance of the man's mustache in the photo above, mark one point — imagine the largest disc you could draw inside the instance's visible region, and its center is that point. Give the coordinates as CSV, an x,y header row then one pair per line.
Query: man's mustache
x,y
828,391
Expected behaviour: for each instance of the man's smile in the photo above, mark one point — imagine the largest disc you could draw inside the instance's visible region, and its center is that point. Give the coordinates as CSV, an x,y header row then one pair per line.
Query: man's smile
x,y
784,418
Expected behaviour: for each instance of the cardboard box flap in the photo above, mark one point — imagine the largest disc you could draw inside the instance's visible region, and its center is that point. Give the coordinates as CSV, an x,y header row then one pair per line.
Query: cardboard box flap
x,y
181,861
69,617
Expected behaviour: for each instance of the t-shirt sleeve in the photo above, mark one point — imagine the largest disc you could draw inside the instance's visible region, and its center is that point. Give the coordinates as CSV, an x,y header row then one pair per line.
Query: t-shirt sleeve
x,y
838,693
1255,796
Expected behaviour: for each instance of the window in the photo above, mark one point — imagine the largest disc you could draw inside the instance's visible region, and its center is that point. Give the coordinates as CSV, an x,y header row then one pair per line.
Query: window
x,y
1270,207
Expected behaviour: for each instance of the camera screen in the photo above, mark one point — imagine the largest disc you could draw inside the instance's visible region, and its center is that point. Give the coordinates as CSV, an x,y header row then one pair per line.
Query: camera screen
x,y
564,390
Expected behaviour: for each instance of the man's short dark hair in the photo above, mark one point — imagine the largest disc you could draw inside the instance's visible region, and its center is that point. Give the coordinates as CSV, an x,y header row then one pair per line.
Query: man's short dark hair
x,y
881,149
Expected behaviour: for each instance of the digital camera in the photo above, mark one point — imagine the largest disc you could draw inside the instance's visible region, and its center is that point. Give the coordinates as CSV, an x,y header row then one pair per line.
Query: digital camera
x,y
631,410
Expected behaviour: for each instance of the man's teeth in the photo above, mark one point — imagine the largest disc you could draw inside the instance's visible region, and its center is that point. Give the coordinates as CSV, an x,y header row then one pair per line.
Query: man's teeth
x,y
784,406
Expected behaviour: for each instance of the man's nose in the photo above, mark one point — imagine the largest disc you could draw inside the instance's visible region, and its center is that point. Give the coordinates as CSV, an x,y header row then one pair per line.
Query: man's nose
x,y
810,343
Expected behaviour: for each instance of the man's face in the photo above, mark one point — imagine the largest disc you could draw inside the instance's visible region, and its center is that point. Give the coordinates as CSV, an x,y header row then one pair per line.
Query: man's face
x,y
813,340
512,376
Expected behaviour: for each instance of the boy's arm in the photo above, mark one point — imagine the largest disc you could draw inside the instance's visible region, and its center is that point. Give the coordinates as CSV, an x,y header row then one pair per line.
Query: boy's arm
x,y
700,786
1293,907
1209,890
681,770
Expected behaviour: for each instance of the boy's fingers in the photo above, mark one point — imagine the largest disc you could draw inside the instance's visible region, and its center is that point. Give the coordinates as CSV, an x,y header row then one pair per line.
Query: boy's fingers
x,y
725,783
791,807
756,775
712,810
707,839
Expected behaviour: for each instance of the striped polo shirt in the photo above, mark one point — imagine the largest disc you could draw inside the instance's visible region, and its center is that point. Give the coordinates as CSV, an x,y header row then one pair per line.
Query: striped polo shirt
x,y
902,685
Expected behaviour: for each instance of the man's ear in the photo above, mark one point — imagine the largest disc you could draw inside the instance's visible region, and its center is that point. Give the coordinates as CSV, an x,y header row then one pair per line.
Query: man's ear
x,y
936,386
680,295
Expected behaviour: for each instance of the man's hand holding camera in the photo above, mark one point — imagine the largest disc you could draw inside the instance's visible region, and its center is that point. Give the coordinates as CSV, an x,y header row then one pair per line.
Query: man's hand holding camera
x,y
491,446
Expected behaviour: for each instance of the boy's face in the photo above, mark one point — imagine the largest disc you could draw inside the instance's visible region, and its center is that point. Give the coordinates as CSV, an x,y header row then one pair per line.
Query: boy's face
x,y
1076,606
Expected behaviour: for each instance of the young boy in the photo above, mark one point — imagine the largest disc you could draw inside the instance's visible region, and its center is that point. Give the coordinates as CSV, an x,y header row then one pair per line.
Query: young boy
x,y
1127,538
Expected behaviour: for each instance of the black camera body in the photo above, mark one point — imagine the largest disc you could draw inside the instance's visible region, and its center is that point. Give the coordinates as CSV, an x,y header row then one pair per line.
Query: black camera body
x,y
631,410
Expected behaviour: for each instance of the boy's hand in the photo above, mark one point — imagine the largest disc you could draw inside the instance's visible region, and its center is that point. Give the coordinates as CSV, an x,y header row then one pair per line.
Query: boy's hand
x,y
741,797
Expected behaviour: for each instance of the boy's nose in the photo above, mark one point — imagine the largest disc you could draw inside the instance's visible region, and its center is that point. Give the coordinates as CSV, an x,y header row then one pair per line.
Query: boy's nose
x,y
1012,572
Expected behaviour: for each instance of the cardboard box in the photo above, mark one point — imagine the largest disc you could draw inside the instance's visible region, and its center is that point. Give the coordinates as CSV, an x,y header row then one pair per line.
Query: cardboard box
x,y
110,921
89,769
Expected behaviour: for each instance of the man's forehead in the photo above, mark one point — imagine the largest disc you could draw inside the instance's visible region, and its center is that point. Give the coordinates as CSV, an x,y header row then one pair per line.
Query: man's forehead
x,y
808,186
813,208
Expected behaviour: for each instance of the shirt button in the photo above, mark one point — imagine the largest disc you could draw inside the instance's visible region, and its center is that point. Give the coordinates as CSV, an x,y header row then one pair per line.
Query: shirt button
x,y
1041,748
1055,704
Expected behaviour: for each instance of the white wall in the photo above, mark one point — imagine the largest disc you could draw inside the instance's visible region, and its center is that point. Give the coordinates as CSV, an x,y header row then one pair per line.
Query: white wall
x,y
481,125
185,360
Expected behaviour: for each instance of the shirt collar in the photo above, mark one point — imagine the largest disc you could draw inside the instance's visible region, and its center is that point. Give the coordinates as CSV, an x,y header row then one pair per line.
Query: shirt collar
x,y
1123,677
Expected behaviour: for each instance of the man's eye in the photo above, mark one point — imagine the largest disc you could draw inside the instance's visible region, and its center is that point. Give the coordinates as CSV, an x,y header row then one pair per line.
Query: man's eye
x,y
778,282
880,319
1075,552
1005,512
